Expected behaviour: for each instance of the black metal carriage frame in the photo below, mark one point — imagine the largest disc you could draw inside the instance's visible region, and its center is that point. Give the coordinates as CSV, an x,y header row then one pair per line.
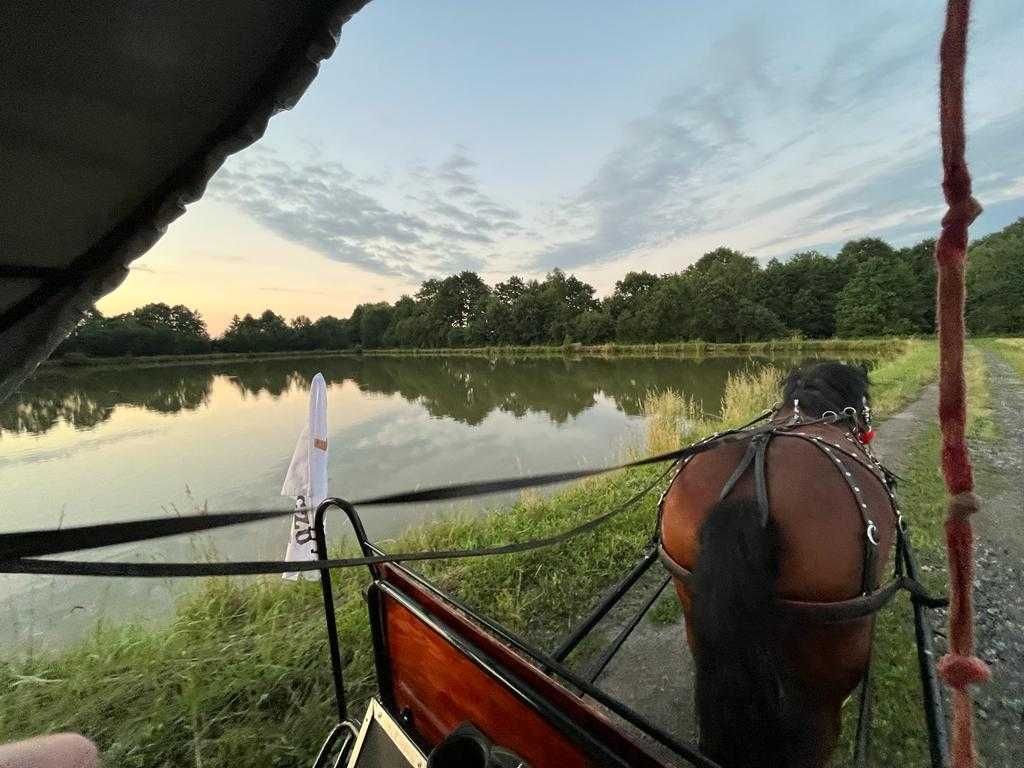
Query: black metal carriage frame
x,y
552,663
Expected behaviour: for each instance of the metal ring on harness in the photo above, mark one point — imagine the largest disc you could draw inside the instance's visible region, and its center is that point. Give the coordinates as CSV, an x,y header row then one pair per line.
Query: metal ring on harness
x,y
872,532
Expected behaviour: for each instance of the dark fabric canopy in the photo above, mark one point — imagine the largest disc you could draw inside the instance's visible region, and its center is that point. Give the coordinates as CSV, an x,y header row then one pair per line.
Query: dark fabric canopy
x,y
113,116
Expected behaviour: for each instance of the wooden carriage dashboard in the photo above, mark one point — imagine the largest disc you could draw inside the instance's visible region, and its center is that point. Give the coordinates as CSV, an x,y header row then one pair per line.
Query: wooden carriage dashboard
x,y
438,668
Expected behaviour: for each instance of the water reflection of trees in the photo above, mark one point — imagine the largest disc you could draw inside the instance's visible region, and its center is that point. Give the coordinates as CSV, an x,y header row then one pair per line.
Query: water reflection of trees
x,y
467,389
83,399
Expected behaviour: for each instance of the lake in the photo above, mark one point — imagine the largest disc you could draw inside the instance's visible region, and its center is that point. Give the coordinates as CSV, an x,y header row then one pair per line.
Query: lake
x,y
81,446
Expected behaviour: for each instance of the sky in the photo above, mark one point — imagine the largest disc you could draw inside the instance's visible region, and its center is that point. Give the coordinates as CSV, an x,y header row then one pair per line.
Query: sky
x,y
512,138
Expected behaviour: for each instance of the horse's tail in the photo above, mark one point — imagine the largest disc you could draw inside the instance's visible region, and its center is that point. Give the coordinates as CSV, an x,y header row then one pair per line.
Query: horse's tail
x,y
739,680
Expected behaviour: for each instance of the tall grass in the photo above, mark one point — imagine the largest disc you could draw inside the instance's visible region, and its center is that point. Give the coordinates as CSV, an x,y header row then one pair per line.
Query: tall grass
x,y
672,418
239,675
748,393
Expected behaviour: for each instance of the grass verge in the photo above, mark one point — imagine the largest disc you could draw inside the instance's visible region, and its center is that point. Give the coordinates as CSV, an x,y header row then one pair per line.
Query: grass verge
x,y
865,347
899,736
160,361
896,382
696,348
1011,350
239,676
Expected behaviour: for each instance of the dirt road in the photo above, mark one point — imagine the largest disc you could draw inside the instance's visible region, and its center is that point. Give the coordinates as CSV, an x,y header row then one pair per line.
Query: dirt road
x,y
999,576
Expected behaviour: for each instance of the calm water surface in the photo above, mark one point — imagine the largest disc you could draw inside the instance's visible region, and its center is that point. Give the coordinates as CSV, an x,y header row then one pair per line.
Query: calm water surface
x,y
89,446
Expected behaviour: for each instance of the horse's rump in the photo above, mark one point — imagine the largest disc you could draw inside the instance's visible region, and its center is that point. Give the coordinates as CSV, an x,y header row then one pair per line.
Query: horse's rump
x,y
820,529
817,533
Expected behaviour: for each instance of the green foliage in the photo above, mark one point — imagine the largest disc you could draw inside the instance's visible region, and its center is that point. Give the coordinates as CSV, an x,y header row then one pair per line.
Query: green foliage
x,y
803,292
868,290
877,299
856,252
267,333
921,260
995,282
725,283
155,329
648,308
593,327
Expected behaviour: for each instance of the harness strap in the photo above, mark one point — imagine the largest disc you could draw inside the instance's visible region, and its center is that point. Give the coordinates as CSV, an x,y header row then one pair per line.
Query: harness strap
x,y
761,476
254,567
741,468
871,599
831,612
756,452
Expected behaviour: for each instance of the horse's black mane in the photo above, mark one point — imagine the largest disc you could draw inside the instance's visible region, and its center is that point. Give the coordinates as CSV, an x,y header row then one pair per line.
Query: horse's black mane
x,y
828,386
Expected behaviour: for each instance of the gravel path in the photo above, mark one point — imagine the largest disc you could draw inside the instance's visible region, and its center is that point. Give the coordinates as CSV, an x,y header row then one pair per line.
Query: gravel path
x,y
999,592
999,556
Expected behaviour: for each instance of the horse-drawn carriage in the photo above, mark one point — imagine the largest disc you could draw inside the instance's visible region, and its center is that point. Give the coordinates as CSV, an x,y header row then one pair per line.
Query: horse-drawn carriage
x,y
452,684
441,666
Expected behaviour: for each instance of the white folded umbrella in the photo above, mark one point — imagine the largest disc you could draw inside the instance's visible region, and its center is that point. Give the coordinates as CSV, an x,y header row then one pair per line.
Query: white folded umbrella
x,y
306,479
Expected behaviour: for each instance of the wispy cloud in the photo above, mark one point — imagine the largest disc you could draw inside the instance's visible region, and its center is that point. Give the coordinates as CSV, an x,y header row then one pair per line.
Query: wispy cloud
x,y
671,172
448,225
901,198
755,146
775,161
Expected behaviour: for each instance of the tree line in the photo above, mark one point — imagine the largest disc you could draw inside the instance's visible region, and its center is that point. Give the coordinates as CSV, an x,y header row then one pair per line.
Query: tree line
x,y
868,289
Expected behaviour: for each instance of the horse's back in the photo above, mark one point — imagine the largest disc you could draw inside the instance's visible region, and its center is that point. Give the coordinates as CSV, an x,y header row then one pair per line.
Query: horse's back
x,y
820,526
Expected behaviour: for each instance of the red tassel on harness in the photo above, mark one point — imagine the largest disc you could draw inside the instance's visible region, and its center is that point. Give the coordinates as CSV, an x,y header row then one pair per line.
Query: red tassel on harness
x,y
867,436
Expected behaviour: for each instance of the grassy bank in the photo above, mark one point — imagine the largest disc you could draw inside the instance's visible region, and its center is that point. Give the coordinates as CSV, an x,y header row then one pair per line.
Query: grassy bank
x,y
867,347
160,361
863,347
238,677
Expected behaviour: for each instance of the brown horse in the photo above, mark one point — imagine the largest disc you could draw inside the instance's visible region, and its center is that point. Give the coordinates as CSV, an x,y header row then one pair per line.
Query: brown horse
x,y
760,531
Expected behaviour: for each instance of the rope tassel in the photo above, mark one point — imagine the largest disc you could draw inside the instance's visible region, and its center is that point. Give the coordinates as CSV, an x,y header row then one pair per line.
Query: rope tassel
x,y
960,668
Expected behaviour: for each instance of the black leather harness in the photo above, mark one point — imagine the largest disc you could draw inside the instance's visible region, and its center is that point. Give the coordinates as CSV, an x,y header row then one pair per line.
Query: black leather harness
x,y
871,598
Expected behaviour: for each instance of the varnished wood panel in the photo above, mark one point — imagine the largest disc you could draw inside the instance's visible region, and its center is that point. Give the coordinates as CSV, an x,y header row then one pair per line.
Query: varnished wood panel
x,y
443,687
